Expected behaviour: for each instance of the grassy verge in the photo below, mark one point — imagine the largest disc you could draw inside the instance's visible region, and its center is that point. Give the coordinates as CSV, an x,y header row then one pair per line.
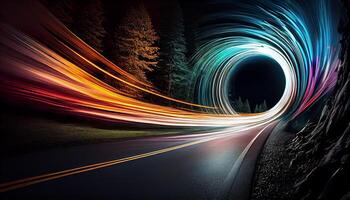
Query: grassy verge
x,y
22,134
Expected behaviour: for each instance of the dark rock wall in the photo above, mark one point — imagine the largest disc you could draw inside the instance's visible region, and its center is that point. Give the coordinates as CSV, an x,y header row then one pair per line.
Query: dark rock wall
x,y
322,149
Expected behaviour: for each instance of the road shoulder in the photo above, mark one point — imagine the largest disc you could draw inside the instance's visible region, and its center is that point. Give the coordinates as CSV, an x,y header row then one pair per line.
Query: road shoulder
x,y
273,180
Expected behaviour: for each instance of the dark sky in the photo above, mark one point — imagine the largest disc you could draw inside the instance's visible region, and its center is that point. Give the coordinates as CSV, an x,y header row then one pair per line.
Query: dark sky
x,y
258,79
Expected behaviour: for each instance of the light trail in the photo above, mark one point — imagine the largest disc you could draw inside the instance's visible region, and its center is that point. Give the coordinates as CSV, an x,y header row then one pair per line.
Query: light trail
x,y
301,36
42,61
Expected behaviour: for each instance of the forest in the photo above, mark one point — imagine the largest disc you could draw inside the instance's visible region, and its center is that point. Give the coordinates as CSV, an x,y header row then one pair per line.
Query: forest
x,y
154,43
154,52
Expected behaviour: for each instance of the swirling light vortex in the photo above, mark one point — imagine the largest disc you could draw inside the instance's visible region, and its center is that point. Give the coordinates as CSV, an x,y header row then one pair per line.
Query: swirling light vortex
x,y
300,37
41,60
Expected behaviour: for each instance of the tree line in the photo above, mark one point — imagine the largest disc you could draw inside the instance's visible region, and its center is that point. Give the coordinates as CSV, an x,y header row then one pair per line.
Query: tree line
x,y
243,106
157,57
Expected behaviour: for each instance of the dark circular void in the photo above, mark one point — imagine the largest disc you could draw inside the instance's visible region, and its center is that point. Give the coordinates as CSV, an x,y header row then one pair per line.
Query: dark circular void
x,y
257,79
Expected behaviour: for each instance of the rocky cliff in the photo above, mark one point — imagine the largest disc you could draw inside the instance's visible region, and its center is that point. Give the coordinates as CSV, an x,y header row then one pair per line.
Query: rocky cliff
x,y
315,162
322,149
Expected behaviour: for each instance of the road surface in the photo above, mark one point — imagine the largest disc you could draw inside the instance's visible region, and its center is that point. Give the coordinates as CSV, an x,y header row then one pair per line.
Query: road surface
x,y
199,166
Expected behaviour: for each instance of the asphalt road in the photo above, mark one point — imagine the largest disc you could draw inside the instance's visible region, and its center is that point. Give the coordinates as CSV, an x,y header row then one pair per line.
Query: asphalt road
x,y
203,166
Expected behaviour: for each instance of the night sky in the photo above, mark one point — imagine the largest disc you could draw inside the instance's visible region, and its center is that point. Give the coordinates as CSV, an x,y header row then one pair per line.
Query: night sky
x,y
258,79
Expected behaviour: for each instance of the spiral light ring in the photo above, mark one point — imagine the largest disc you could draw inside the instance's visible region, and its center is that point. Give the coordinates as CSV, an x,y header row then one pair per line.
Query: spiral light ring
x,y
280,31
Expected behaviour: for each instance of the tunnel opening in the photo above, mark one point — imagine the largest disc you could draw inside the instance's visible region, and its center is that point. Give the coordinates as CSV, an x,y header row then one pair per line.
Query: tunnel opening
x,y
256,85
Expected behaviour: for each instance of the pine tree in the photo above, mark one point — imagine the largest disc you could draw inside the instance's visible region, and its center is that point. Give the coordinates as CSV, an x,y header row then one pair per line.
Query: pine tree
x,y
191,37
260,107
242,107
257,108
63,10
246,107
135,49
89,24
174,75
264,106
237,104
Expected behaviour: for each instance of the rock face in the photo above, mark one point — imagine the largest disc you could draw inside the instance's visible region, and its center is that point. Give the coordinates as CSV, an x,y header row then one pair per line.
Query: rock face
x,y
322,149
